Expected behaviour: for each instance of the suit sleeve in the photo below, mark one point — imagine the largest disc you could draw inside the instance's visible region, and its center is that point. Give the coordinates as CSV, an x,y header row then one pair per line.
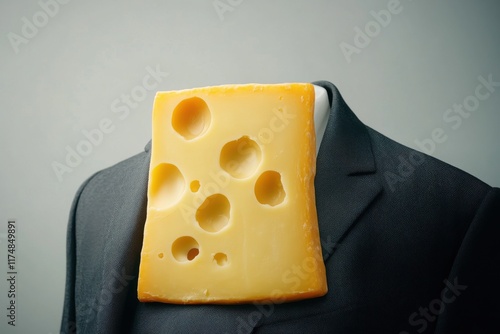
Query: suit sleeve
x,y
472,296
68,322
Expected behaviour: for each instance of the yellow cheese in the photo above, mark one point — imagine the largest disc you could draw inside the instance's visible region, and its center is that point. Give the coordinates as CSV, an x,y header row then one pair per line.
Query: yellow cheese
x,y
231,213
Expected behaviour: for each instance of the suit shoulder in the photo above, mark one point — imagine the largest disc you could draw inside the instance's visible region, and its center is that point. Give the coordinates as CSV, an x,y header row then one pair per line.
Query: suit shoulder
x,y
117,177
405,168
448,198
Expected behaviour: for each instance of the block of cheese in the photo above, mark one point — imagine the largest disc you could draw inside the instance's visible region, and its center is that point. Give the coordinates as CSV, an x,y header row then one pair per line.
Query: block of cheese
x,y
231,215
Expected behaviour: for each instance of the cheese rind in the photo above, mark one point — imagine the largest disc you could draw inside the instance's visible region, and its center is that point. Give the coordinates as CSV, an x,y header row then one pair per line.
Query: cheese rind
x,y
231,214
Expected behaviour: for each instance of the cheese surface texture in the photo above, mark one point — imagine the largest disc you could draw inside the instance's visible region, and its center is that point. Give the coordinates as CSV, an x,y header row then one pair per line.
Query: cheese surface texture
x,y
231,214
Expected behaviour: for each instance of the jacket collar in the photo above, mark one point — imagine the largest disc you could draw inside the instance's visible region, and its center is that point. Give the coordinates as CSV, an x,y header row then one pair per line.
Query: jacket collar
x,y
346,180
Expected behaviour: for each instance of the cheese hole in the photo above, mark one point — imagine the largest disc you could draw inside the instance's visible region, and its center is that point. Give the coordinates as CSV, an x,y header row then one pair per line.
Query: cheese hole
x,y
160,255
191,118
167,186
221,259
194,186
269,189
240,158
185,249
213,213
193,252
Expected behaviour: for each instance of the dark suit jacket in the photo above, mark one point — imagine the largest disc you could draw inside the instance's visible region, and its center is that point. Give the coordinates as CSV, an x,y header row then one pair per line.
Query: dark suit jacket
x,y
410,244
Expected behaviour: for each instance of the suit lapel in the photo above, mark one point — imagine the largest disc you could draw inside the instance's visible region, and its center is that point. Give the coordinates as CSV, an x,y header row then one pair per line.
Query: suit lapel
x,y
346,180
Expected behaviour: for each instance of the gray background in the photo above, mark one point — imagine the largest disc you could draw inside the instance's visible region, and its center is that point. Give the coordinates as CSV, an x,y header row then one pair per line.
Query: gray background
x,y
66,77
